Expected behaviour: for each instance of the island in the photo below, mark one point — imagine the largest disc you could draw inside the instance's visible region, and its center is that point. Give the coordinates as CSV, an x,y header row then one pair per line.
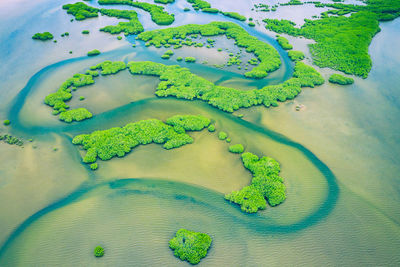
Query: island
x,y
190,246
98,251
265,184
44,36
340,79
119,141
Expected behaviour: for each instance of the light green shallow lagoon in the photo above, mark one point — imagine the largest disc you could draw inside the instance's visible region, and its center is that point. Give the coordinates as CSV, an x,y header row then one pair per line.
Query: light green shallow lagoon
x,y
339,157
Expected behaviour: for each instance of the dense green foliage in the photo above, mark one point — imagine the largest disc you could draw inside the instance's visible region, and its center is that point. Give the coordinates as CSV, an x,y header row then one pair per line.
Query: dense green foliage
x,y
222,135
199,4
238,148
342,41
94,166
283,42
211,128
266,183
190,59
82,11
182,123
234,15
164,1
340,79
157,13
57,100
296,55
120,140
98,251
133,26
42,36
181,83
206,7
94,52
190,246
11,140
266,54
78,114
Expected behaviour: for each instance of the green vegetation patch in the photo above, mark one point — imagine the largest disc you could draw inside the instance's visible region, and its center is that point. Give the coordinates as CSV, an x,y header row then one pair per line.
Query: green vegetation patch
x,y
58,99
190,59
98,251
340,79
296,55
133,26
11,140
157,13
164,1
44,36
190,246
78,114
234,15
206,7
342,41
283,42
238,148
266,54
94,52
266,183
222,135
118,141
82,11
6,122
181,83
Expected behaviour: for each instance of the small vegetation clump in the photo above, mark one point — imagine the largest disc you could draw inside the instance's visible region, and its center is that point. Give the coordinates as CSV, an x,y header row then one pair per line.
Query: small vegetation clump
x,y
11,140
211,128
164,1
340,79
222,135
44,36
157,13
190,59
190,246
94,52
238,148
283,42
98,251
118,141
234,15
296,55
266,54
78,114
6,122
94,166
266,183
85,32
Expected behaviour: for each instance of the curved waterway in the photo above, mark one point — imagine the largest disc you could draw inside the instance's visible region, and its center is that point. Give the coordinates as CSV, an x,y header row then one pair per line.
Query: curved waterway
x,y
178,193
132,206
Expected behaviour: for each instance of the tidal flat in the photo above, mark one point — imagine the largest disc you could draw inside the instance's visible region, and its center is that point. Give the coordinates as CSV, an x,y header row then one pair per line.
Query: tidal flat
x,y
338,154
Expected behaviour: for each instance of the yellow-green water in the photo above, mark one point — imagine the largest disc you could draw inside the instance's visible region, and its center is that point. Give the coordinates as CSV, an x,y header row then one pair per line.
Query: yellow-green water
x,y
339,159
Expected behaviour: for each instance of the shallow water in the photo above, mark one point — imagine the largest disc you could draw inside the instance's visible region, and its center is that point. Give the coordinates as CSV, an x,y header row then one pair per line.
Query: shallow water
x,y
339,158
